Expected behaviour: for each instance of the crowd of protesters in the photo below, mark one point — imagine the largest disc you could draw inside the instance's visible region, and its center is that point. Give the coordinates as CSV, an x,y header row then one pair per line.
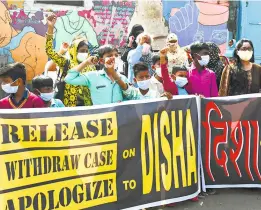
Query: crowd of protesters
x,y
86,79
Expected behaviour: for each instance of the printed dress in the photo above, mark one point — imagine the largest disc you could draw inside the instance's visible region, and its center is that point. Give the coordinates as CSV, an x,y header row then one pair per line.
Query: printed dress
x,y
71,92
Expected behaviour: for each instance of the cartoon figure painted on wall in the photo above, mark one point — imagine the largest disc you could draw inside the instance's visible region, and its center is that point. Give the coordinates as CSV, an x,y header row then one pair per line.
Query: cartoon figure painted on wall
x,y
23,46
198,20
71,25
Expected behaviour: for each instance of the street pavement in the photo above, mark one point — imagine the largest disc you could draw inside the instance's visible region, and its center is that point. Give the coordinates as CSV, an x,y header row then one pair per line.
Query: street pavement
x,y
225,199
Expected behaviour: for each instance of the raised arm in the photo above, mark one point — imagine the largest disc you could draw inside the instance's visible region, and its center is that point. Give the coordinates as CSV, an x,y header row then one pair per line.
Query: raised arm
x,y
168,85
110,71
52,54
75,78
136,54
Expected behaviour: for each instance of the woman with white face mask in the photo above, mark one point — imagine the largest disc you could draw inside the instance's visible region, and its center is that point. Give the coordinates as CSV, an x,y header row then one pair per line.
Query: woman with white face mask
x,y
244,77
77,52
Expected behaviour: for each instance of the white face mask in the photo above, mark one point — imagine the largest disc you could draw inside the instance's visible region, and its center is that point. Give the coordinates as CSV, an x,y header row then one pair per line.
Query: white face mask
x,y
181,81
245,55
158,71
144,85
9,89
204,60
82,57
47,96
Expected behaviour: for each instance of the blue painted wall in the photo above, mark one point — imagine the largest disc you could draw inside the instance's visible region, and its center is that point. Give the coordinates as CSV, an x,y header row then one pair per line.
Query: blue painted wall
x,y
250,25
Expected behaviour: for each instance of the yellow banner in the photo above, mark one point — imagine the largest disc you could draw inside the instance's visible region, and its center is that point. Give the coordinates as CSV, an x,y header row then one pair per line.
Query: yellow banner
x,y
58,131
72,194
26,168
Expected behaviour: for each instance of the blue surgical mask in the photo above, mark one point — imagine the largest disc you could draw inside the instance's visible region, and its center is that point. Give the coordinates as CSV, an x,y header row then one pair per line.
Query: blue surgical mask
x,y
47,96
181,81
144,85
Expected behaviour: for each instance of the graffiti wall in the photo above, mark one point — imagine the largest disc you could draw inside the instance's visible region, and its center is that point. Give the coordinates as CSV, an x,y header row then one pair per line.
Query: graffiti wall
x,y
23,28
22,35
198,20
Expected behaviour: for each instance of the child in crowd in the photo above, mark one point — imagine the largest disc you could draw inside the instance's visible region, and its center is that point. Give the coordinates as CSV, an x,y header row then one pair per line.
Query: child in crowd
x,y
201,80
141,54
43,87
104,89
168,83
174,84
179,76
13,78
156,80
142,79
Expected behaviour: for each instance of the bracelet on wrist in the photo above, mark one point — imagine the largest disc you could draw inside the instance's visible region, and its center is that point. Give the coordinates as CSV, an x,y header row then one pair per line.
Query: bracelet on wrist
x,y
49,34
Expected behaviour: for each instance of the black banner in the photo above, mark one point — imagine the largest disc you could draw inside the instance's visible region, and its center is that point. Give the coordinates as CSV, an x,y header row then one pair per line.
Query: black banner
x,y
230,141
116,157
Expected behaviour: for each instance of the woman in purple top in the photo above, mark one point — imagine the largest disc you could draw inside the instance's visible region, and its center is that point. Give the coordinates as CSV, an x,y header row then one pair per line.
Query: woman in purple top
x,y
201,80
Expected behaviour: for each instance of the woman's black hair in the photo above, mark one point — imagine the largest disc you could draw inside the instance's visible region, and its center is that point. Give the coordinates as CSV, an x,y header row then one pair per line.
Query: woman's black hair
x,y
238,46
135,31
82,44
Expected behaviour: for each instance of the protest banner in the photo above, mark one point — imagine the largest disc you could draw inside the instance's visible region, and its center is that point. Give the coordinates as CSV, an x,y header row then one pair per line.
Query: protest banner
x,y
124,156
230,141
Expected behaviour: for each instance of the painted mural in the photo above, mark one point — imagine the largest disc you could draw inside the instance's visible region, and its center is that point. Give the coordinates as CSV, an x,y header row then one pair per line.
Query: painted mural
x,y
22,34
198,20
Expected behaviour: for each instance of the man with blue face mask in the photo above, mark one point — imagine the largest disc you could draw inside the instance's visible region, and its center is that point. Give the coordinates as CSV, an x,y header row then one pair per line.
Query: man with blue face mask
x,y
43,87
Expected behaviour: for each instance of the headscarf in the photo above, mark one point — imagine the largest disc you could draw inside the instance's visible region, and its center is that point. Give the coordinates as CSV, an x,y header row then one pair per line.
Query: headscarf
x,y
215,63
84,92
73,51
135,31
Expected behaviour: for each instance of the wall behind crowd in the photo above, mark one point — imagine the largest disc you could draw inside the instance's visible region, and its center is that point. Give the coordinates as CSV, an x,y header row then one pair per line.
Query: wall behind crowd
x,y
23,25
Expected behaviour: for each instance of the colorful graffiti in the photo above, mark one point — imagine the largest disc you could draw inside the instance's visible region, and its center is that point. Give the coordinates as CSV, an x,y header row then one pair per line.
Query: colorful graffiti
x,y
198,20
22,36
24,46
